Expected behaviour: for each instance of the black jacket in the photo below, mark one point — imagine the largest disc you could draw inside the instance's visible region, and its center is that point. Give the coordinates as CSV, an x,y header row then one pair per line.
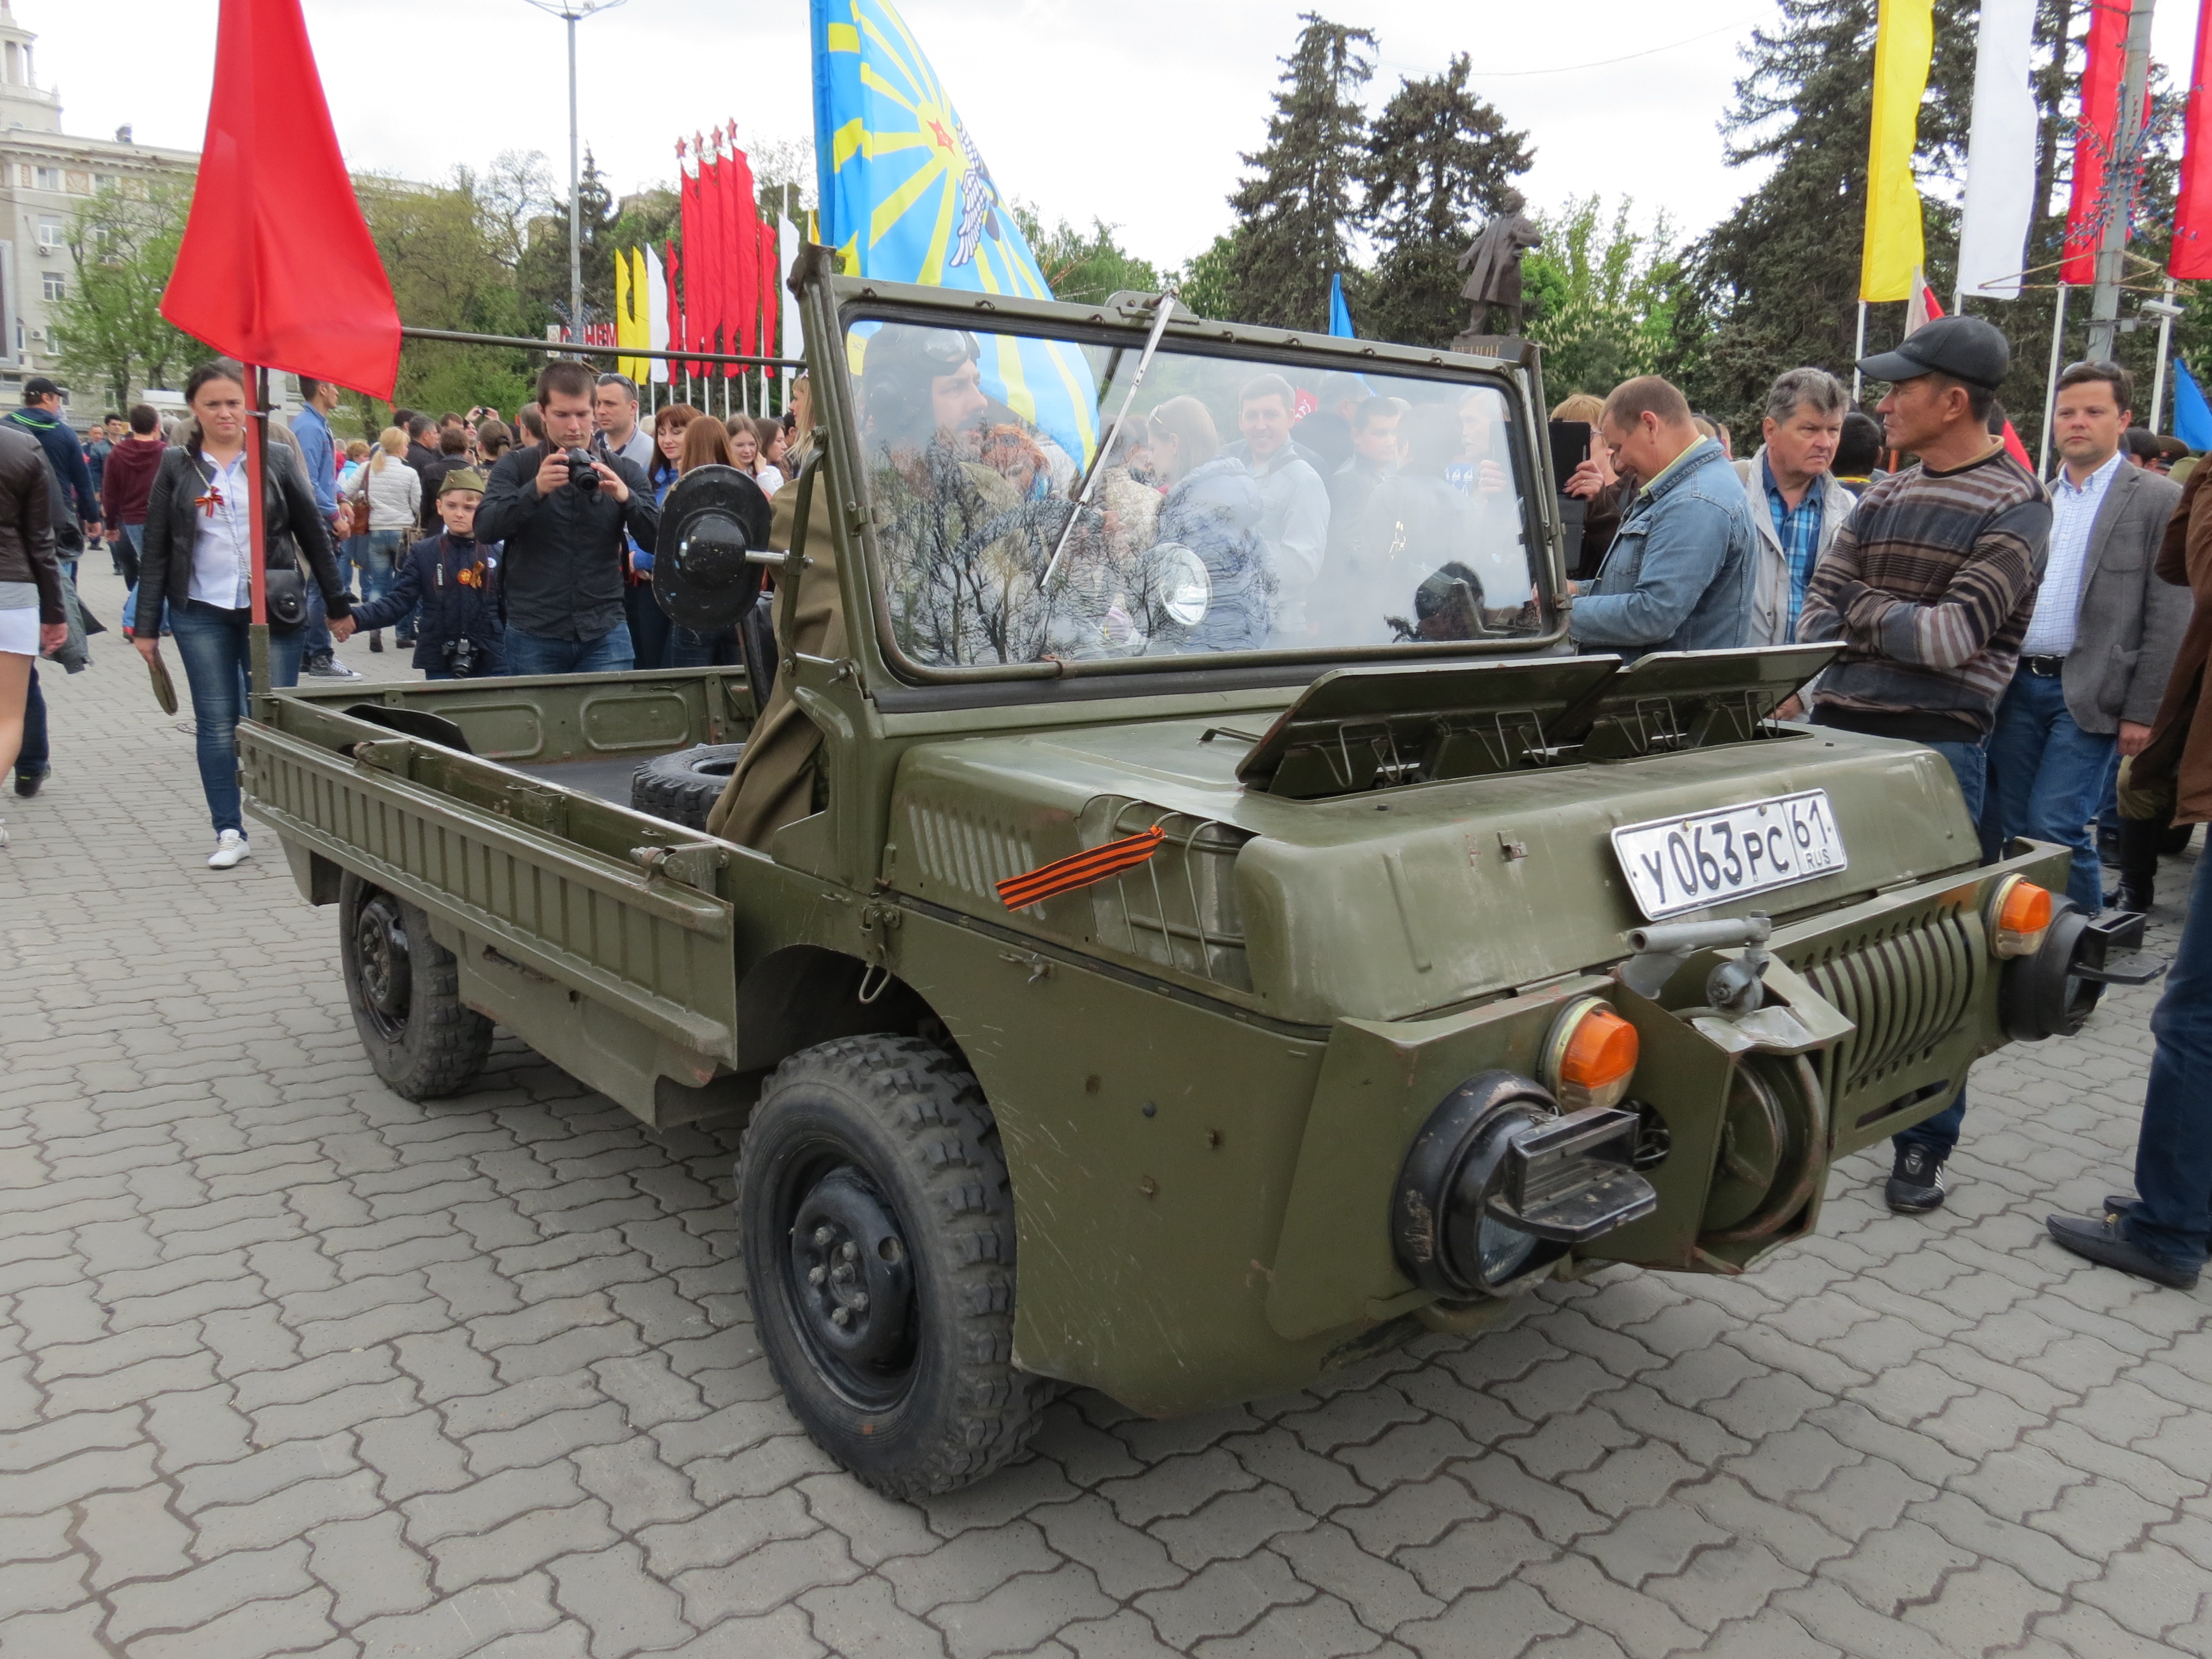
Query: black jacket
x,y
432,473
566,558
67,454
26,523
430,575
293,521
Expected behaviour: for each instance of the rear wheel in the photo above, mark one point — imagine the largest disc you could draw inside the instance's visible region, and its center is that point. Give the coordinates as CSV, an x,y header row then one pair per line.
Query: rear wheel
x,y
405,989
879,1232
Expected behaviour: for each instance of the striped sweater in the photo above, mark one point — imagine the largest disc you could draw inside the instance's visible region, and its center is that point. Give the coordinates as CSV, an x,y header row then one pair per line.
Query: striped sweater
x,y
1930,584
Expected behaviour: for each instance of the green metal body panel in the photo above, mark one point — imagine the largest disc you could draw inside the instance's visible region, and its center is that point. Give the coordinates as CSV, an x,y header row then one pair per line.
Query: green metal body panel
x,y
1306,967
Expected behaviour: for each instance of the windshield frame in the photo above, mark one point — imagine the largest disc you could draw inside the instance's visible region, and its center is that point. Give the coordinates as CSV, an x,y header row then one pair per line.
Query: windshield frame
x,y
1124,322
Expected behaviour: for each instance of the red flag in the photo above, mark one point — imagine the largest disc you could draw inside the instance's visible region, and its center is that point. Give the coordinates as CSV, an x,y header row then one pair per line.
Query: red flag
x,y
671,273
709,263
277,267
696,309
2191,259
2098,132
770,273
744,257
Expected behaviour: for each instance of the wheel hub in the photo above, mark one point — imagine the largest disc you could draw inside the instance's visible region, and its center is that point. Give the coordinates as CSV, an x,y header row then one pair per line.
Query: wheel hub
x,y
380,950
852,1274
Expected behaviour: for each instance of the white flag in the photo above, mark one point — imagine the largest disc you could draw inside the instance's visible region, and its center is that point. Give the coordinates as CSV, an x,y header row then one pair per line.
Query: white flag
x,y
1999,155
786,249
656,313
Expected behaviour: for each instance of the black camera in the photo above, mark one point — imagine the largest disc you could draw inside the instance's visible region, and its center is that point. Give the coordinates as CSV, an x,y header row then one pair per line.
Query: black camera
x,y
581,473
461,657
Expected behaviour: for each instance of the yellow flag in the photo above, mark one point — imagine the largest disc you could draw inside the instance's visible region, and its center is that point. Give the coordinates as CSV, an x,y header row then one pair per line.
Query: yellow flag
x,y
633,323
1904,41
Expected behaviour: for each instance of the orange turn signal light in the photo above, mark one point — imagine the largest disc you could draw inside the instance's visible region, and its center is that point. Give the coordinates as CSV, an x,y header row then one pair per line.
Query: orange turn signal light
x,y
1590,1055
2019,915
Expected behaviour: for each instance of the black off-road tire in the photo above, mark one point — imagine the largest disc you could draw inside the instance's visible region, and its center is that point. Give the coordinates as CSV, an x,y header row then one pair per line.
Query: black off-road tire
x,y
682,788
894,1127
404,990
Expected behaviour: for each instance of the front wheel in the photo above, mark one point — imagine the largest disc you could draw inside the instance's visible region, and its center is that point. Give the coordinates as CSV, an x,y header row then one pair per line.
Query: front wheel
x,y
405,989
879,1232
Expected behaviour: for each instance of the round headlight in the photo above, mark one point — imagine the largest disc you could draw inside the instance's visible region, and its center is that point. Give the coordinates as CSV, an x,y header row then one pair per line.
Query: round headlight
x,y
1447,1236
1186,591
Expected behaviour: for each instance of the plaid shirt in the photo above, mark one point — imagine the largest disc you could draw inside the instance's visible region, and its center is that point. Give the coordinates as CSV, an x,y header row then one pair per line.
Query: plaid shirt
x,y
1798,529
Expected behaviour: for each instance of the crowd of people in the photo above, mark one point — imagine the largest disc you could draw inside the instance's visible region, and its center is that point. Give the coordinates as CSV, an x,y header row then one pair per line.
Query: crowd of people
x,y
2038,636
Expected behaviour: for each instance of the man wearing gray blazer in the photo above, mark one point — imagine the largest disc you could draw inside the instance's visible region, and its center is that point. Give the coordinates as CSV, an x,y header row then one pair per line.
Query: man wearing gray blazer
x,y
2101,643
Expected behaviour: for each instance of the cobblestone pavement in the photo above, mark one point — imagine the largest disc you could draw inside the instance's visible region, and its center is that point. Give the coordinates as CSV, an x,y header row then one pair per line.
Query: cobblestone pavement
x,y
292,1365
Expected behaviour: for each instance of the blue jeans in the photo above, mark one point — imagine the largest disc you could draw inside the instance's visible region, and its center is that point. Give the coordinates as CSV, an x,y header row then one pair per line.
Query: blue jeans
x,y
33,759
2171,1216
540,653
2046,778
214,643
376,556
1970,763
719,649
124,544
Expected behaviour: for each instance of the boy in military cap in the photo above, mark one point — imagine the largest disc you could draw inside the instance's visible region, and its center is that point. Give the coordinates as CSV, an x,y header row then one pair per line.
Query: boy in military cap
x,y
455,579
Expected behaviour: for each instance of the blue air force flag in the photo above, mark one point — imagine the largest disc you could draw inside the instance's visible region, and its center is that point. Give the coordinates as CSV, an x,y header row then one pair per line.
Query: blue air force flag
x,y
907,198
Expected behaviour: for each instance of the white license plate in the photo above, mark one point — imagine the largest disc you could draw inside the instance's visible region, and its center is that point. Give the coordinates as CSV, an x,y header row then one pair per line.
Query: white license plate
x,y
1678,865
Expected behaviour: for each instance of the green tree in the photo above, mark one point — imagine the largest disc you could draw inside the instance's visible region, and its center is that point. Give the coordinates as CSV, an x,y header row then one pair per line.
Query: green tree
x,y
1437,159
107,327
1602,296
543,270
1208,282
1083,267
1297,211
1776,283
444,248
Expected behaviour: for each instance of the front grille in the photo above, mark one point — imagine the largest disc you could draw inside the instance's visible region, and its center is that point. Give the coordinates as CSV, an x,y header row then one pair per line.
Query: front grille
x,y
1905,983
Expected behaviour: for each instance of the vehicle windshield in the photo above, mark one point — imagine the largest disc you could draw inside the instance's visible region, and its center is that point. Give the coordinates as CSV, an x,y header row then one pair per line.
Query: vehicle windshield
x,y
1248,505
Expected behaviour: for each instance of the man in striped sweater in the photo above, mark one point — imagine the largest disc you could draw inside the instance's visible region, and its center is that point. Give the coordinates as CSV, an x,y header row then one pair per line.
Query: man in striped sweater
x,y
1930,586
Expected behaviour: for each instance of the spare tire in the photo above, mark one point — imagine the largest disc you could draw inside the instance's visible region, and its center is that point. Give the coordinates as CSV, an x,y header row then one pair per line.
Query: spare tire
x,y
682,788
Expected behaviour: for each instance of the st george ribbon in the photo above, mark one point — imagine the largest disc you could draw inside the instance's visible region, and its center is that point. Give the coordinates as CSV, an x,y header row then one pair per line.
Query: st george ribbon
x,y
907,198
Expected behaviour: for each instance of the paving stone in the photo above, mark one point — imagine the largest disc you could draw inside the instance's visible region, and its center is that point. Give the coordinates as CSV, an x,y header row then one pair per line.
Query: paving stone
x,y
1487,1626
774,1573
520,1546
728,1533
1020,1613
1382,1594
468,1624
625,1608
1222,1599
130,1535
191,1600
859,1621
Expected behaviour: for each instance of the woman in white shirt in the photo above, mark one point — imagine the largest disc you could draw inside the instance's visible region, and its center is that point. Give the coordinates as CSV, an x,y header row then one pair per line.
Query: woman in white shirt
x,y
198,559
395,508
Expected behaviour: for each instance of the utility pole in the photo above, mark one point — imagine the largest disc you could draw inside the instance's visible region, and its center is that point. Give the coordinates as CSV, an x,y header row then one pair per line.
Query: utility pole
x,y
2123,175
572,12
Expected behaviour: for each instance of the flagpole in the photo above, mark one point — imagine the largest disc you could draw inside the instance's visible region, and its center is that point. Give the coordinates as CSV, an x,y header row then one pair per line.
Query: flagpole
x,y
257,461
2051,381
1858,350
2166,316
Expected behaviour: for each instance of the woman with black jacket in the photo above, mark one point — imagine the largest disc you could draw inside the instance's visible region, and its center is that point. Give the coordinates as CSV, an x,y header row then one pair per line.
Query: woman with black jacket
x,y
198,557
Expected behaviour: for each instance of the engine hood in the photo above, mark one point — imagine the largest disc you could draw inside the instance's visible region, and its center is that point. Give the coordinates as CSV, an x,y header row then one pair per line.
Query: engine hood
x,y
1384,904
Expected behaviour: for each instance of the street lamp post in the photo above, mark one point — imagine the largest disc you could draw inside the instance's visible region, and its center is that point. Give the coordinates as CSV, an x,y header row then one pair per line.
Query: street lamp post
x,y
572,12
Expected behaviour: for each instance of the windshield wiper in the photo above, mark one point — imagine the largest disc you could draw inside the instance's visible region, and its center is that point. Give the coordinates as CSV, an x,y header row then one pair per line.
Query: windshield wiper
x,y
1167,304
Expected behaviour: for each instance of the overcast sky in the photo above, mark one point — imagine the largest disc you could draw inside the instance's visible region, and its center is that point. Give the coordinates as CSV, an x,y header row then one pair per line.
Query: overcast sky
x,y
1132,111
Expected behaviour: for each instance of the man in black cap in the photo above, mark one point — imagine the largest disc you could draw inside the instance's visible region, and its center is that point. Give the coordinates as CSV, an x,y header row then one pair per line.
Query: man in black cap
x,y
1930,586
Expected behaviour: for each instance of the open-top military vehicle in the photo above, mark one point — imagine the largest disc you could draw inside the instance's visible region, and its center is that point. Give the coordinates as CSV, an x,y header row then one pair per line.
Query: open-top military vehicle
x,y
1180,922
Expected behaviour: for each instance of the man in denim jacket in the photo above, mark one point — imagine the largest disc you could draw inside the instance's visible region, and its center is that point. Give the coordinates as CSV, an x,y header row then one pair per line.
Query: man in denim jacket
x,y
1680,573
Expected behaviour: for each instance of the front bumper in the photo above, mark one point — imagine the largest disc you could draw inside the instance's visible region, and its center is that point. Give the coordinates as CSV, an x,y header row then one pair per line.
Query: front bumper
x,y
1873,1014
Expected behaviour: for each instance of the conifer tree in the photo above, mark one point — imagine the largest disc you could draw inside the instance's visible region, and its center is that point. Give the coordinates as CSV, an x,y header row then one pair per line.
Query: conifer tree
x,y
1297,211
1436,162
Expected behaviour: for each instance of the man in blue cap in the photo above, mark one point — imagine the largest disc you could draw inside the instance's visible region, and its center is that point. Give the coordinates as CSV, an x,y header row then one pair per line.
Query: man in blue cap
x,y
1929,586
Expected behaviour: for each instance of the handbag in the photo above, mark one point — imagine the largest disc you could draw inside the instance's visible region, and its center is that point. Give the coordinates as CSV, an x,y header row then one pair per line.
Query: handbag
x,y
285,588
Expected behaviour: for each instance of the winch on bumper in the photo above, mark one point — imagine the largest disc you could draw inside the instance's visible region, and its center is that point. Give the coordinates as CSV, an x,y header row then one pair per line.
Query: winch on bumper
x,y
1469,1165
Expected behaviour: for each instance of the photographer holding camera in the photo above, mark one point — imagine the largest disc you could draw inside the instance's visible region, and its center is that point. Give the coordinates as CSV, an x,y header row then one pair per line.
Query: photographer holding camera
x,y
563,515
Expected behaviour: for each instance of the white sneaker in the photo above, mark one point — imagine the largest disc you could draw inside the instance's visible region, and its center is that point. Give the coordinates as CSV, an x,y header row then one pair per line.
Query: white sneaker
x,y
230,850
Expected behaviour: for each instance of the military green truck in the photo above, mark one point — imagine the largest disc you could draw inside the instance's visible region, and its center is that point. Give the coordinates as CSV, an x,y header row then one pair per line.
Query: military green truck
x,y
1184,919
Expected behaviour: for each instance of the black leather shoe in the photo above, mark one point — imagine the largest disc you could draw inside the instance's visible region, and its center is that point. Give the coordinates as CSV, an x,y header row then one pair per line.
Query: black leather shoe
x,y
27,783
2098,1239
